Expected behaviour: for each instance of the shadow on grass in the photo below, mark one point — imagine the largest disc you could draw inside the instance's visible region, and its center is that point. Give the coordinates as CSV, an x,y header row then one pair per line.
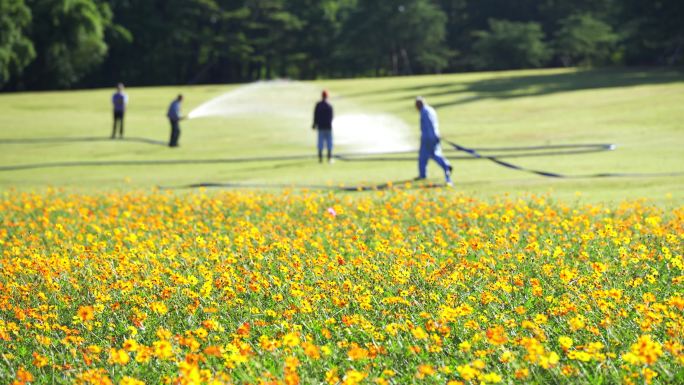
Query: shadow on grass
x,y
79,139
398,156
504,87
409,184
152,162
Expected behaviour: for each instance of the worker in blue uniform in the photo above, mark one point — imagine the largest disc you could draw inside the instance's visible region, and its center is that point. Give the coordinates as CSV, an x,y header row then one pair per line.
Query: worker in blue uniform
x,y
430,147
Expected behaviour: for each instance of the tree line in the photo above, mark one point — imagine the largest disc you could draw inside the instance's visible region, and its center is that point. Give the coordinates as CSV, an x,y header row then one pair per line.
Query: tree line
x,y
60,44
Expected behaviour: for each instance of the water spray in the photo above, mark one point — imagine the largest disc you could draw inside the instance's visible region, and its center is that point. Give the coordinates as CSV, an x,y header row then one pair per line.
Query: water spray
x,y
290,104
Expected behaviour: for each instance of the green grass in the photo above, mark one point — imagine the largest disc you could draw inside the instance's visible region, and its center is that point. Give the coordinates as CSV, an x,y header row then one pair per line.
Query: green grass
x,y
639,110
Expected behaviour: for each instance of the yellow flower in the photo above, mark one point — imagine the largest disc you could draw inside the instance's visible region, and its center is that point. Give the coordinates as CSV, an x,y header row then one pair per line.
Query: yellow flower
x,y
159,307
424,371
506,356
291,363
577,323
579,356
646,350
479,364
353,377
419,333
118,356
467,372
649,375
331,376
549,361
491,378
143,354
130,345
130,381
567,275
86,313
38,360
291,340
565,342
162,349
163,333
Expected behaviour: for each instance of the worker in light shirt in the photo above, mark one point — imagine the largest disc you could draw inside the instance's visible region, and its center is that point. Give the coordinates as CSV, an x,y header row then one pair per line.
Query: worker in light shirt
x,y
430,147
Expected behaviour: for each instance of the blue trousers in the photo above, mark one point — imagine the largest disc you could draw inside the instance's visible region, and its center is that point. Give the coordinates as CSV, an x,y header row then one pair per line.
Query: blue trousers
x,y
325,139
431,149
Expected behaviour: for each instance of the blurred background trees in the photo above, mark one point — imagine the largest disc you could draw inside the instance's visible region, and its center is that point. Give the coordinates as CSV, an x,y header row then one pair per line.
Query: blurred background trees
x,y
16,49
57,44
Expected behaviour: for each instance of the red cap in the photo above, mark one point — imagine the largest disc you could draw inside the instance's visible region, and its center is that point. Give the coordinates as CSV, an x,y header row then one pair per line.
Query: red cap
x,y
324,94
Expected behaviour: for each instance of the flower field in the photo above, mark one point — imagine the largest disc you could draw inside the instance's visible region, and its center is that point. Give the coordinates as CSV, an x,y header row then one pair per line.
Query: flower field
x,y
390,287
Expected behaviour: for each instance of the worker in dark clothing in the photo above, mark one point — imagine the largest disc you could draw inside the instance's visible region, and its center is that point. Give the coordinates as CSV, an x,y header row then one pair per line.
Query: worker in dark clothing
x,y
174,115
323,117
119,101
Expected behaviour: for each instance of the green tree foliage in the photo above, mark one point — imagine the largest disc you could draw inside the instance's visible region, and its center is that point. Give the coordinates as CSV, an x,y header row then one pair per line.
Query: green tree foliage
x,y
395,37
584,40
654,31
510,45
82,43
171,40
272,29
316,39
69,39
16,49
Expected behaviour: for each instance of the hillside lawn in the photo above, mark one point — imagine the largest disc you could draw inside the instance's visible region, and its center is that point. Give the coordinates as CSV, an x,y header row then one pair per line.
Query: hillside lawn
x,y
639,110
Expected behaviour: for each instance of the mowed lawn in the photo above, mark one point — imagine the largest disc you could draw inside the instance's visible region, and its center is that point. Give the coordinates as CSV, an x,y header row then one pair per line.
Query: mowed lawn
x,y
64,136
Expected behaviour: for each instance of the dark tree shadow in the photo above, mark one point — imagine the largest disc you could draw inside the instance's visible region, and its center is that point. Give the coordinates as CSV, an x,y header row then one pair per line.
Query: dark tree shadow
x,y
80,139
284,161
540,85
150,162
409,184
511,86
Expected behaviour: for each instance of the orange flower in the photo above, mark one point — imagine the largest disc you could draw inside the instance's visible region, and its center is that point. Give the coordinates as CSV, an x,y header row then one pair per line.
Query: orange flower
x,y
357,353
424,371
497,335
214,351
38,360
24,376
244,329
312,351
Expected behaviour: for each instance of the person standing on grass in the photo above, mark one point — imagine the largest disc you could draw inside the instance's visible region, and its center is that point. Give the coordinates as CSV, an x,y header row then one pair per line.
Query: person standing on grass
x,y
174,115
323,117
429,141
119,100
